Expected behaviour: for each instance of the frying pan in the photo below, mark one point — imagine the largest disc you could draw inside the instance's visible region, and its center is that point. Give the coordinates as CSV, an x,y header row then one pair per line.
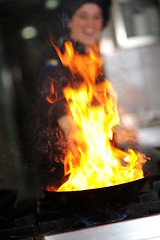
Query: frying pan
x,y
113,195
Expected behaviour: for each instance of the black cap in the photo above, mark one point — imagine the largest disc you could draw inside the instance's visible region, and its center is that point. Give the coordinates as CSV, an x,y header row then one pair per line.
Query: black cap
x,y
69,7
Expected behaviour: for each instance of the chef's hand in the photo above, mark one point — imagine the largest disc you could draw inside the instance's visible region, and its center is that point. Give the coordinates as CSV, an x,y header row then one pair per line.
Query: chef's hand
x,y
124,136
73,135
125,139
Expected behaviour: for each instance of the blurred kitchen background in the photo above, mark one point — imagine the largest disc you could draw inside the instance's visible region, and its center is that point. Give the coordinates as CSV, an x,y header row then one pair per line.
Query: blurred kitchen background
x,y
131,49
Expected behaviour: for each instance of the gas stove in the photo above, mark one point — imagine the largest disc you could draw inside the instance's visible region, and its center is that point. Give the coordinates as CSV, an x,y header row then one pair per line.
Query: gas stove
x,y
38,220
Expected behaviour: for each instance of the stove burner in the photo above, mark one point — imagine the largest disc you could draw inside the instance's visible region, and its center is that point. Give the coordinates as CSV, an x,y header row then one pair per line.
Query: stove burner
x,y
31,219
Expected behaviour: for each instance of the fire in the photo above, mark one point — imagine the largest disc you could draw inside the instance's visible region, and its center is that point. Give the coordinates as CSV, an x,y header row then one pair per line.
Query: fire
x,y
93,108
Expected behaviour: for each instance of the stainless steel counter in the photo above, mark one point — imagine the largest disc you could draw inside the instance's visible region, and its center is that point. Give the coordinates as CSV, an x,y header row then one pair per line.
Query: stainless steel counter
x,y
137,229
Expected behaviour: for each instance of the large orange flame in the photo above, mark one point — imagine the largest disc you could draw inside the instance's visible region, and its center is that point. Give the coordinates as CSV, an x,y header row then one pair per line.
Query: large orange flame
x,y
100,162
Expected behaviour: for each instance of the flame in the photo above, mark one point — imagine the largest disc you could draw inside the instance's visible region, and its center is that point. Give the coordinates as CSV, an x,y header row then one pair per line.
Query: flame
x,y
100,163
52,97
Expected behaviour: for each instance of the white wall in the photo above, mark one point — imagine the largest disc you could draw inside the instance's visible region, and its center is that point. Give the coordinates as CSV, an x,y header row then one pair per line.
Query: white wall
x,y
135,74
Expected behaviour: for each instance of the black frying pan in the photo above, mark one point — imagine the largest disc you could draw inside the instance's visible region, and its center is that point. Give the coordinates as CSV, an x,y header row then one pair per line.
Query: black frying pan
x,y
113,195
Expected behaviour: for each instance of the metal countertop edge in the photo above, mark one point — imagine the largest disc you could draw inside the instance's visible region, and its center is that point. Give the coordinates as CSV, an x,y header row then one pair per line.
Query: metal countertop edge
x,y
137,229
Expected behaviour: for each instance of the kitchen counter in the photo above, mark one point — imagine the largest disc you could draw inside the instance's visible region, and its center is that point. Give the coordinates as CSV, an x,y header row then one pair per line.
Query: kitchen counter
x,y
145,228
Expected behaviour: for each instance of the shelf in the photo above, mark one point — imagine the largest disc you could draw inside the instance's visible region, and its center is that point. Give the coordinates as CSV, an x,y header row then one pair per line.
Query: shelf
x,y
136,23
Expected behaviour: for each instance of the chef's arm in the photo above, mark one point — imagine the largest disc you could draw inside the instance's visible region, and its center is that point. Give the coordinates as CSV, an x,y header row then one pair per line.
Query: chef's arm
x,y
73,135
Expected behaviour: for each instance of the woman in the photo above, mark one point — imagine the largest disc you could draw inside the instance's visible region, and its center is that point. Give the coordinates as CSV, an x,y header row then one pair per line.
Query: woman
x,y
84,21
85,25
